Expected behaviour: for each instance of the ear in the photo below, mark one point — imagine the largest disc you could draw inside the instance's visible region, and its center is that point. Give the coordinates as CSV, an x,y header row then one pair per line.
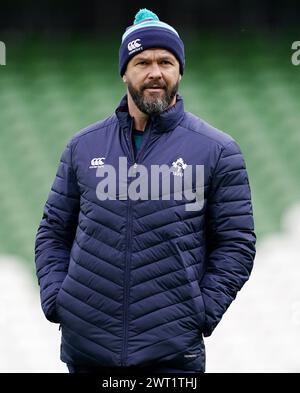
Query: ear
x,y
180,77
124,79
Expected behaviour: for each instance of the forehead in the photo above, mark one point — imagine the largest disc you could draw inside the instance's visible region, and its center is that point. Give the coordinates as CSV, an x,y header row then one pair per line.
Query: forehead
x,y
154,53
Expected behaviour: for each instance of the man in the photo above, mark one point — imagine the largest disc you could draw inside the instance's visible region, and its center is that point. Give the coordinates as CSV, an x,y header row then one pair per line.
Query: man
x,y
138,282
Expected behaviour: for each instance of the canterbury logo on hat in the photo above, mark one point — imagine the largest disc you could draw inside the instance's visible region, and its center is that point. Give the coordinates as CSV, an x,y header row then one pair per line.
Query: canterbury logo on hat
x,y
134,45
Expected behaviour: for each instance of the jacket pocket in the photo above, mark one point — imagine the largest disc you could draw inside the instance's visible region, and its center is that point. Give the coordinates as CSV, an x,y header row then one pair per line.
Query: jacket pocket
x,y
198,304
196,294
58,300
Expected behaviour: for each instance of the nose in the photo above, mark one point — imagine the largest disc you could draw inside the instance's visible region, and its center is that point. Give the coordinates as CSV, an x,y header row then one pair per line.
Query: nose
x,y
154,71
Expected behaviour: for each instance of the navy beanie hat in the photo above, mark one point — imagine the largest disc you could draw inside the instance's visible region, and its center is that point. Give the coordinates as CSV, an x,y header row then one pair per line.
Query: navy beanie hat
x,y
148,32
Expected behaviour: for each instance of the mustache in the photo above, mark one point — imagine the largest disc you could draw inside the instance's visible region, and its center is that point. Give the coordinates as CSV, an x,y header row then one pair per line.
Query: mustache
x,y
153,85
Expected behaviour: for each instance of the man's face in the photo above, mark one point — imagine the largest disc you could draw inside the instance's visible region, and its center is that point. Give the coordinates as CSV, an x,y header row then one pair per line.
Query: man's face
x,y
152,79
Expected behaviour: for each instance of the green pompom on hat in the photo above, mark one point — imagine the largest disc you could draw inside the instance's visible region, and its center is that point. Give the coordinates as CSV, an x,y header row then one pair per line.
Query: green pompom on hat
x,y
144,14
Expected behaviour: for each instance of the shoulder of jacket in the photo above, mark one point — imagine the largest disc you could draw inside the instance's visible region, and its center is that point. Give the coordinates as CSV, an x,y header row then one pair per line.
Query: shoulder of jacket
x,y
94,127
205,130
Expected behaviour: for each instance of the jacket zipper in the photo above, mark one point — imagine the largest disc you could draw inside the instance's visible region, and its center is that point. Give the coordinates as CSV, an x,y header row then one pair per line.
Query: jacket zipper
x,y
126,284
143,146
128,251
127,265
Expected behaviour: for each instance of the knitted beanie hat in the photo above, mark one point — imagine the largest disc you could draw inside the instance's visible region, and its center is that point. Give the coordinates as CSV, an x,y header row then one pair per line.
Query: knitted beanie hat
x,y
148,32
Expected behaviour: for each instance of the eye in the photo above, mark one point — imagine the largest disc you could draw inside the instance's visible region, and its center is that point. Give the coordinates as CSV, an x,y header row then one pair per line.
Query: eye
x,y
166,62
142,62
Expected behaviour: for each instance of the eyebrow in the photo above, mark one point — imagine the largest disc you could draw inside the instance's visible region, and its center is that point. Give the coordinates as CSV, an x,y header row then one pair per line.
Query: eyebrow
x,y
164,57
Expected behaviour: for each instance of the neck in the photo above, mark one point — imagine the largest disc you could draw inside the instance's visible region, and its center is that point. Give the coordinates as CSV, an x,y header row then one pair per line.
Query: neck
x,y
139,118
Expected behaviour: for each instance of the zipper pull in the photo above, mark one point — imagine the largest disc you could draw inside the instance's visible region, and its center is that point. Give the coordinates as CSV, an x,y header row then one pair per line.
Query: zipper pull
x,y
134,166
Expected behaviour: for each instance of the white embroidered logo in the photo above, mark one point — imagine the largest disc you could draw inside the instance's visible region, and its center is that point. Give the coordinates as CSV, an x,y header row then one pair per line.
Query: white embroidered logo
x,y
134,45
97,162
178,166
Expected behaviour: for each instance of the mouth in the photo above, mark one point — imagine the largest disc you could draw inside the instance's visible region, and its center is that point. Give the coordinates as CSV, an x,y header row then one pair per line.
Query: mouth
x,y
154,89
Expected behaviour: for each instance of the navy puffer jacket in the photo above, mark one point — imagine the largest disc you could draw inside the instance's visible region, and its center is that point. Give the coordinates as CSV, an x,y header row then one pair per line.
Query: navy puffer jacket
x,y
140,282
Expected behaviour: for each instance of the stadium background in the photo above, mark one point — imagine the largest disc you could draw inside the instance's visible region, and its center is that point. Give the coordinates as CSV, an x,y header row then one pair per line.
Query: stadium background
x,y
61,74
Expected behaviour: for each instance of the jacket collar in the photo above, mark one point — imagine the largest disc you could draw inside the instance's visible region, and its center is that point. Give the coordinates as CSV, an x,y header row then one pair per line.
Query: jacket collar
x,y
163,122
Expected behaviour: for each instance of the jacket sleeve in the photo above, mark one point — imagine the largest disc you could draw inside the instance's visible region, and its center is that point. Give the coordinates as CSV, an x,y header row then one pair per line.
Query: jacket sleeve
x,y
56,233
230,236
